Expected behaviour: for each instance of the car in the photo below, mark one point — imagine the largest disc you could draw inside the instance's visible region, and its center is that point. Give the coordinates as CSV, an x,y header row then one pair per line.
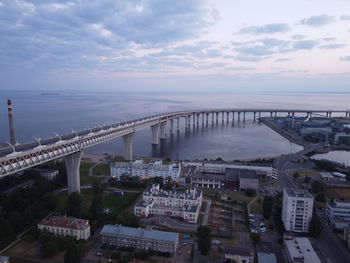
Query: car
x,y
99,253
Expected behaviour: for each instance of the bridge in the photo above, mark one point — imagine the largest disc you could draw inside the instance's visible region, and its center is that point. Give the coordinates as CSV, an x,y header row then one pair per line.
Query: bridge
x,y
18,157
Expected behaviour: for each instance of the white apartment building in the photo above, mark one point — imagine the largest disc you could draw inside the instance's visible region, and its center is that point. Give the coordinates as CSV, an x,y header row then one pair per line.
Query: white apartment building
x,y
139,169
297,210
66,226
184,205
338,214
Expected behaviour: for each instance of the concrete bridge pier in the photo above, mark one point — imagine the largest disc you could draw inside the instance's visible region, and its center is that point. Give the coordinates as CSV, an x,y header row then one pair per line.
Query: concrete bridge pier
x,y
244,117
212,118
194,120
259,114
155,137
186,122
198,116
217,117
178,124
128,146
254,116
72,162
239,116
233,118
271,114
330,114
347,114
207,118
162,130
171,127
202,119
222,117
227,116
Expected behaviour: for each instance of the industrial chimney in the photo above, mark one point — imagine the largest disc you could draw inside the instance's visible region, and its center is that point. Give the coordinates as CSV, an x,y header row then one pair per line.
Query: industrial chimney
x,y
12,129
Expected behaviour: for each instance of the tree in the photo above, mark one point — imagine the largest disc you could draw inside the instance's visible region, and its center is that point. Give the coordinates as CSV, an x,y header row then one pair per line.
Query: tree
x,y
317,187
96,188
255,237
72,255
316,226
96,207
296,175
204,239
74,205
267,206
320,197
250,192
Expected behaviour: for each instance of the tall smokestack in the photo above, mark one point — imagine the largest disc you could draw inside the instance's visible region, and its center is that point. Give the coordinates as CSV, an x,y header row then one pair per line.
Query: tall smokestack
x,y
12,129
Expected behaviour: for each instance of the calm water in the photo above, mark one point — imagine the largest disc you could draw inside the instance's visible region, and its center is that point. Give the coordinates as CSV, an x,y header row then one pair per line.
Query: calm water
x,y
41,116
337,156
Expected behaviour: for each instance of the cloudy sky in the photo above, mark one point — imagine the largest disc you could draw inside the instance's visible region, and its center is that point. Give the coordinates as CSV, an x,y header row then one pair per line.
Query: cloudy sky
x,y
182,45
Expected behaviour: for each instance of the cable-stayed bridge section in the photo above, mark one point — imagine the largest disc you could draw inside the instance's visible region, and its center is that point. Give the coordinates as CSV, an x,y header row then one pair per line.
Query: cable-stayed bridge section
x,y
18,157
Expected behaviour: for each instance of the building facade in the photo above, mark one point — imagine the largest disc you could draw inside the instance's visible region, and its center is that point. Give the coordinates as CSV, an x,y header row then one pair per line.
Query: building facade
x,y
297,209
122,236
140,169
184,205
338,214
239,254
66,226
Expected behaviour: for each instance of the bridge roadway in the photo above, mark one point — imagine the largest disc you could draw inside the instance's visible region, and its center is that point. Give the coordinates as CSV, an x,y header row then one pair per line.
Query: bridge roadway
x,y
15,158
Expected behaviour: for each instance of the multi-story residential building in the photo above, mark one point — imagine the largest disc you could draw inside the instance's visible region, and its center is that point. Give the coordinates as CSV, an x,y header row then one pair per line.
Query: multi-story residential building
x,y
297,210
66,226
239,254
299,250
184,205
122,236
140,169
338,214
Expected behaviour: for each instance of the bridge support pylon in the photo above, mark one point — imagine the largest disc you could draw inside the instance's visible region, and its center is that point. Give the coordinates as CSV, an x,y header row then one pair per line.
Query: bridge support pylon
x,y
178,124
155,137
171,127
128,146
72,162
162,130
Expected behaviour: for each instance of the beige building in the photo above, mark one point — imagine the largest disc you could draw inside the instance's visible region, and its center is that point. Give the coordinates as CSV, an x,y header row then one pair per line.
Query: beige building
x,y
239,254
66,226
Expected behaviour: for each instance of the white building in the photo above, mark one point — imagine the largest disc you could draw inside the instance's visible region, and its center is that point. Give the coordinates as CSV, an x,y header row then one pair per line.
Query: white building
x,y
239,254
300,250
139,169
297,210
66,226
338,214
49,174
184,205
121,236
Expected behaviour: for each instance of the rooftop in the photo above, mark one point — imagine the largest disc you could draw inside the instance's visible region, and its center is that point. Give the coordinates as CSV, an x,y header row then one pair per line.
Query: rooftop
x,y
65,222
139,233
242,251
301,248
297,193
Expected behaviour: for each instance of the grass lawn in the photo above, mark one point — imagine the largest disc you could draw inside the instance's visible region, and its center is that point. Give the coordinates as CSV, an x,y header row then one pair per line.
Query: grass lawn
x,y
269,183
84,168
338,194
240,197
101,169
255,207
85,179
119,203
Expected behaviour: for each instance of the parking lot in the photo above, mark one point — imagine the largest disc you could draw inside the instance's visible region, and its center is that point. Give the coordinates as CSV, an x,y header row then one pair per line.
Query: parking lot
x,y
256,223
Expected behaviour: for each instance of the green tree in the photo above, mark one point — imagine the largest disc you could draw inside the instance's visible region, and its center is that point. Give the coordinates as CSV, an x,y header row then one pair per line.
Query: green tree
x,y
316,226
204,239
267,206
250,192
320,197
96,207
317,187
255,237
72,255
74,205
96,188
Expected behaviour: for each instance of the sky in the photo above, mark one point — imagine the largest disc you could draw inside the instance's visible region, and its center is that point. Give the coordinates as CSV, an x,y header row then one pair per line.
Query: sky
x,y
175,46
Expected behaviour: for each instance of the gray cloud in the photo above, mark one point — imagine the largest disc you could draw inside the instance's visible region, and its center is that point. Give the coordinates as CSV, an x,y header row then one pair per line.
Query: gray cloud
x,y
329,39
317,21
332,46
242,68
298,37
305,44
265,29
346,58
282,60
345,17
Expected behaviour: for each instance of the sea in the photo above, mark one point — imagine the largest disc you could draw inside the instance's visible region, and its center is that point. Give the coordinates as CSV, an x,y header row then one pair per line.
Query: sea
x,y
40,114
